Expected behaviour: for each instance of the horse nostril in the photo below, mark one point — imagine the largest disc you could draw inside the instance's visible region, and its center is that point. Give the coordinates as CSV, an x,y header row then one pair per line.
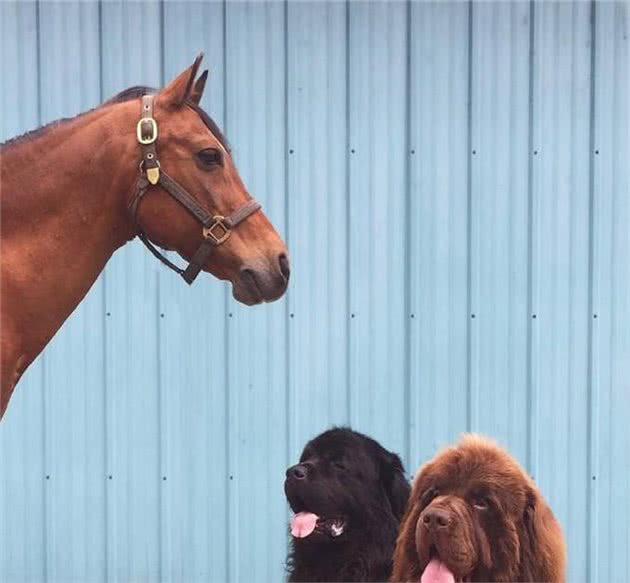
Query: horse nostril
x,y
285,268
249,274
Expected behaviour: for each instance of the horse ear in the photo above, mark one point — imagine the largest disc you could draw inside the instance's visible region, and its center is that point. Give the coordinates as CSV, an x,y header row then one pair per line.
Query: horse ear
x,y
200,85
181,88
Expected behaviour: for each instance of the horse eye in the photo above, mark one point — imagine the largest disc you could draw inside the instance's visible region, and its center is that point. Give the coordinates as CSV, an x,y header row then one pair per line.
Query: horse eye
x,y
339,465
210,157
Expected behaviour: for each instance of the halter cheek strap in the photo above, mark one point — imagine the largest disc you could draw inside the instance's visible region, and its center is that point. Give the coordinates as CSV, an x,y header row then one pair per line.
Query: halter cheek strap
x,y
216,229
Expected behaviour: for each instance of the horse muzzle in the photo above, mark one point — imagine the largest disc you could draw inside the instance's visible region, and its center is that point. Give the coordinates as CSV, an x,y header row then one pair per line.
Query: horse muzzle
x,y
257,283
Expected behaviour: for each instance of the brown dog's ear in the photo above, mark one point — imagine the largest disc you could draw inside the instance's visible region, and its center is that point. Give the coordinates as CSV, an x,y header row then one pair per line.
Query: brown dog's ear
x,y
200,84
180,89
395,483
543,553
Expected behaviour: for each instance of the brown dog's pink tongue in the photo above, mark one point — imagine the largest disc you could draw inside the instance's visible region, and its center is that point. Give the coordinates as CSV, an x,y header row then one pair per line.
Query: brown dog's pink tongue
x,y
303,524
437,572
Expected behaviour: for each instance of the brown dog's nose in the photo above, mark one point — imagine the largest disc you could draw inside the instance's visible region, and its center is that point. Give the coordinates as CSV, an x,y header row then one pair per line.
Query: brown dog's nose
x,y
436,519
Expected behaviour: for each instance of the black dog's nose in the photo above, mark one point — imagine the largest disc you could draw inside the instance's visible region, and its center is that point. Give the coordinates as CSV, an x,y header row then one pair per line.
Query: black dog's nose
x,y
435,519
298,472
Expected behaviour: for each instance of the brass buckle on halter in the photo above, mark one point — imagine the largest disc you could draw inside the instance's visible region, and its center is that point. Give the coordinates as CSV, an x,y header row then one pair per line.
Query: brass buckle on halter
x,y
148,139
218,231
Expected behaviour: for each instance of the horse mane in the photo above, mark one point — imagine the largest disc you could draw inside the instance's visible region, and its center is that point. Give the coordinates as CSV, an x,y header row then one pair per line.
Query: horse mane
x,y
123,96
35,133
131,93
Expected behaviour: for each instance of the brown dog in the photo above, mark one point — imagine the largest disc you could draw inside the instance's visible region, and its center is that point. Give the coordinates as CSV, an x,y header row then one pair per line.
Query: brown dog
x,y
475,515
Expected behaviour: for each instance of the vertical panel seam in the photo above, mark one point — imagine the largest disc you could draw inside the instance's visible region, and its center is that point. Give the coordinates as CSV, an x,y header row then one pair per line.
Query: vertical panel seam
x,y
530,245
287,327
348,226
43,355
226,353
105,336
158,341
593,386
407,244
469,400
286,226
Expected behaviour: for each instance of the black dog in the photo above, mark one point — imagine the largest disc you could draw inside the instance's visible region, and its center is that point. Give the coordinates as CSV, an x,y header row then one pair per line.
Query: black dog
x,y
348,494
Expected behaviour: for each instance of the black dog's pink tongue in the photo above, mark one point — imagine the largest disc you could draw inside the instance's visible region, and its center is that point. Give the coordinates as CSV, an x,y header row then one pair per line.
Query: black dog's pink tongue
x,y
437,572
303,524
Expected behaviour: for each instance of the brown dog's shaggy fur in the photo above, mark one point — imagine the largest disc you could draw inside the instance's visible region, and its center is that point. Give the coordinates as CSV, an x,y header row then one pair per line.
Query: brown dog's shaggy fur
x,y
475,515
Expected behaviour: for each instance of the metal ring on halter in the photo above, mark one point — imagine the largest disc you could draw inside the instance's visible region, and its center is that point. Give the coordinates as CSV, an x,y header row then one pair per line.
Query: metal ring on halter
x,y
218,225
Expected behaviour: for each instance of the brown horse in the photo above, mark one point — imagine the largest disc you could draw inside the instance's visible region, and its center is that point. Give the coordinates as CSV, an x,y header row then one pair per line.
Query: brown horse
x,y
76,190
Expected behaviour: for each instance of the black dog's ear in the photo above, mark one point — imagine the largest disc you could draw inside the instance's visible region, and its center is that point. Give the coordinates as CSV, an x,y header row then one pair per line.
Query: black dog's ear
x,y
395,485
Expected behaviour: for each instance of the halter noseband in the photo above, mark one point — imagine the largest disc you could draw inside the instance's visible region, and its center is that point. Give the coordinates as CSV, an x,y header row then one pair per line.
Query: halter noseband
x,y
215,229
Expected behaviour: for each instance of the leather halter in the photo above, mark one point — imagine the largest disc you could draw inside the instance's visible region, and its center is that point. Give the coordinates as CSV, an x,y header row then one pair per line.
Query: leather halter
x,y
215,228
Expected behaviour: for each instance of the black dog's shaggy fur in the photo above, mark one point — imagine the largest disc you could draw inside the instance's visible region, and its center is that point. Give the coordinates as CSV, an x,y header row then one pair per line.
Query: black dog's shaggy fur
x,y
347,477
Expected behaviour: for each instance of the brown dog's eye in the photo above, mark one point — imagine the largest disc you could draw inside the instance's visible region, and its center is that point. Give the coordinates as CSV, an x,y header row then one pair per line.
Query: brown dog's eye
x,y
481,503
210,157
429,495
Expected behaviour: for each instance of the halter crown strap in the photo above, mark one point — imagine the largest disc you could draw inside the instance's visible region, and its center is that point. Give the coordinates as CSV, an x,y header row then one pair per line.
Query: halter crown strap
x,y
215,229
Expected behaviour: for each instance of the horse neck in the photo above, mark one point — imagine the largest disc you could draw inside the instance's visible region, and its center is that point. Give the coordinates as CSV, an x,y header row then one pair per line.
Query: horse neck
x,y
71,170
63,213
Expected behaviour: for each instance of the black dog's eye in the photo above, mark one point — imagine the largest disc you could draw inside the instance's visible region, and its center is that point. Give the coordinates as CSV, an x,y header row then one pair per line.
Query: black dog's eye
x,y
210,157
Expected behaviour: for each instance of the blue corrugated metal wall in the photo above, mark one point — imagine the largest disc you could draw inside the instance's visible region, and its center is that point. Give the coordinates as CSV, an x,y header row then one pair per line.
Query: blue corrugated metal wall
x,y
453,183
